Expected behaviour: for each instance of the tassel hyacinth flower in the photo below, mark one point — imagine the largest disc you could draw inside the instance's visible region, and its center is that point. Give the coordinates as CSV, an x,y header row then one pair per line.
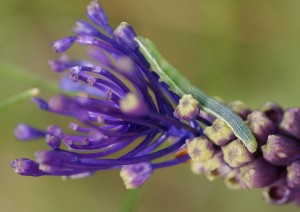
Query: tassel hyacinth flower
x,y
126,118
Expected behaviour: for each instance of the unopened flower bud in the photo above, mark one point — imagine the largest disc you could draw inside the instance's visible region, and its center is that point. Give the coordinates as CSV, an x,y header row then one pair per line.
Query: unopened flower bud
x,y
200,149
291,122
258,174
24,132
273,111
188,108
293,174
96,13
240,108
281,150
63,44
261,126
219,133
124,34
236,154
135,175
26,167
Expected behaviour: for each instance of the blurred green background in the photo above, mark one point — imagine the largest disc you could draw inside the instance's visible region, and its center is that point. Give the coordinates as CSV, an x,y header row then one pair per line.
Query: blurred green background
x,y
235,49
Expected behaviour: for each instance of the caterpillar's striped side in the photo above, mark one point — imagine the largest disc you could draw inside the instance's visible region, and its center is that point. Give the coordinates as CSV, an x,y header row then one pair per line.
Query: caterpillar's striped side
x,y
181,86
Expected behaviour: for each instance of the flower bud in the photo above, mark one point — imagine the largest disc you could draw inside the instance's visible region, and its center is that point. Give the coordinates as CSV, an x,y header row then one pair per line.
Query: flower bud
x,y
277,194
293,174
188,108
96,14
232,179
26,167
216,167
261,126
240,108
124,34
291,122
258,174
236,154
273,111
135,175
281,150
200,149
219,133
63,44
25,132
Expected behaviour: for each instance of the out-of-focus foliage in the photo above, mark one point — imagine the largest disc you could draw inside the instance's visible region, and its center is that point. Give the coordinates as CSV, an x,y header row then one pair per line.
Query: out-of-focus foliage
x,y
235,49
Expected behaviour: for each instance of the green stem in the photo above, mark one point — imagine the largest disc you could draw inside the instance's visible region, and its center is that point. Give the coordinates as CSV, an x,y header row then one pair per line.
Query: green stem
x,y
130,199
17,73
19,97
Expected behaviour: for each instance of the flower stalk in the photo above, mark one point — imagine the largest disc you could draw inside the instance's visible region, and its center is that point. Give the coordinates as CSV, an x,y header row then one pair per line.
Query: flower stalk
x,y
18,97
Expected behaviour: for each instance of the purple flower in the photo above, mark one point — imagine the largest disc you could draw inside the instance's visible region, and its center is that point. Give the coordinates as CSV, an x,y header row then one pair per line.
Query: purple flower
x,y
121,106
125,118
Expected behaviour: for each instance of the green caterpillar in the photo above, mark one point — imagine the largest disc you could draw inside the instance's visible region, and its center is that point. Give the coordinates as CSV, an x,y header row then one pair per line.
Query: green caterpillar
x,y
181,86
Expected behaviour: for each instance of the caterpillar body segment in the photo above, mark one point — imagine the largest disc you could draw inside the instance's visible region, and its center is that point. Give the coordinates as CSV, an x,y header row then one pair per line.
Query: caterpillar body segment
x,y
180,85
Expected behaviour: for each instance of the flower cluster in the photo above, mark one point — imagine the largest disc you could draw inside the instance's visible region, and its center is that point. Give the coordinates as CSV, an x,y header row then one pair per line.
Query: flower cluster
x,y
126,119
124,114
274,167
